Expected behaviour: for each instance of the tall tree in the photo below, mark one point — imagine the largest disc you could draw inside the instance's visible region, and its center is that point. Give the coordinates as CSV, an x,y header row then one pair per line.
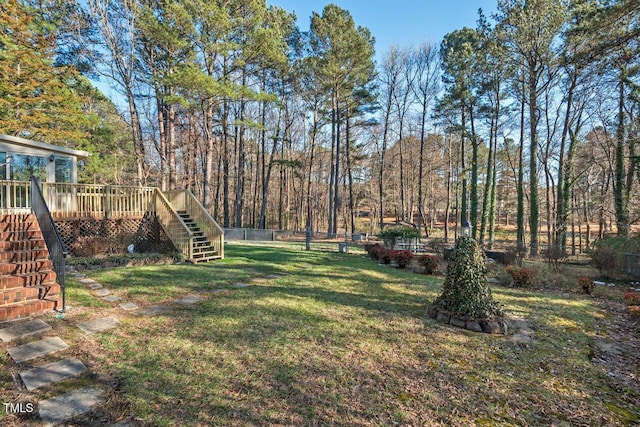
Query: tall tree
x,y
345,61
532,27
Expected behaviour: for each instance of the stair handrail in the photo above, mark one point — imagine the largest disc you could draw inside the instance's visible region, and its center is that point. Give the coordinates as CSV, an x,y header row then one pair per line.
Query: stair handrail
x,y
195,209
55,244
173,225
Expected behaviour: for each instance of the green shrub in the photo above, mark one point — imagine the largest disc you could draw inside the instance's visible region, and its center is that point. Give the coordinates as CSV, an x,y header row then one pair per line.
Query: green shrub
x,y
403,258
430,263
390,235
465,291
522,277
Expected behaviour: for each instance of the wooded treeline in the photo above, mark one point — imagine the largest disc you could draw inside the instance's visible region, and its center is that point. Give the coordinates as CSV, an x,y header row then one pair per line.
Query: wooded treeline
x,y
529,119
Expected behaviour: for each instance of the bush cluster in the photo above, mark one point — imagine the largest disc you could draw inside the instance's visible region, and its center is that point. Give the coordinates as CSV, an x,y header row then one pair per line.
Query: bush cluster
x,y
430,263
402,257
607,254
522,277
586,284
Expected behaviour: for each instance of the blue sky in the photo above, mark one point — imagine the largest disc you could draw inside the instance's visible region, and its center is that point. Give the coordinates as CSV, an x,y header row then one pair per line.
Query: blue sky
x,y
402,22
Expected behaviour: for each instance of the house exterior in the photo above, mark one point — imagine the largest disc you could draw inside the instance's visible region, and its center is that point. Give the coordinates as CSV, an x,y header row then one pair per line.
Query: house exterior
x,y
20,158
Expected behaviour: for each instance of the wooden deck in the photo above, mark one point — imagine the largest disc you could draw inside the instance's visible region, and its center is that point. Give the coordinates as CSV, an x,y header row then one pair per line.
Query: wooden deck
x,y
69,202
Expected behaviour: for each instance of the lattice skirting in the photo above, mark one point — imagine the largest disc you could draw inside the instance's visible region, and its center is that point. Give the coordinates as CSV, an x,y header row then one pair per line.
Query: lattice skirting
x,y
144,232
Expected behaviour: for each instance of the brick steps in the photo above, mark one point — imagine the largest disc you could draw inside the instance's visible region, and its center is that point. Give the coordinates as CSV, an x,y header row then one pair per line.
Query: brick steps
x,y
27,281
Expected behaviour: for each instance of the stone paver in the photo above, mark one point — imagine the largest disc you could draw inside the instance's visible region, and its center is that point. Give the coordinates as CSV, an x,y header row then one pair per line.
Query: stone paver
x,y
111,298
95,286
102,292
525,334
36,349
129,306
61,408
259,280
23,329
99,325
87,281
274,276
52,373
240,285
153,310
190,299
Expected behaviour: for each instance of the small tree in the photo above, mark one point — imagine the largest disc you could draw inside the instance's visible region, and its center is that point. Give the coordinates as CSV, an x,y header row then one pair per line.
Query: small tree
x,y
466,293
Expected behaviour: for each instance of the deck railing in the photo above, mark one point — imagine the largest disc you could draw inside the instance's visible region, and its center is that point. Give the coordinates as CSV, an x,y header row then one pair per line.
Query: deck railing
x,y
55,245
81,200
184,200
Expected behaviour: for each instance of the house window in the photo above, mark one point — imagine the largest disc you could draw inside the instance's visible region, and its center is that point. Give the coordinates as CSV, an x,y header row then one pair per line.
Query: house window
x,y
23,166
3,165
63,169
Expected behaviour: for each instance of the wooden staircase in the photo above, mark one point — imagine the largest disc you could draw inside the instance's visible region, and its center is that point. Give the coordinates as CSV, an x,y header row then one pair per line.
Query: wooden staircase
x,y
203,249
27,281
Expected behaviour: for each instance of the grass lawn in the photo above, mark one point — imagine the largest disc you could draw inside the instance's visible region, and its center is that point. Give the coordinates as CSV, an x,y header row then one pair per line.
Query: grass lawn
x,y
341,340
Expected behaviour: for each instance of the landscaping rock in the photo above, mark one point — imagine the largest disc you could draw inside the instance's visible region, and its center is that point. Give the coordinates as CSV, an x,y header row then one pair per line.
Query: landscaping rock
x,y
457,322
473,326
443,317
23,329
490,327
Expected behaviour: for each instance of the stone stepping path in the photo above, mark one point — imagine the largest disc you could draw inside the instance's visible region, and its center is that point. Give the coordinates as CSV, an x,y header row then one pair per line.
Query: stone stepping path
x,y
22,330
111,298
61,408
36,349
240,285
103,292
95,286
259,280
87,281
190,299
98,325
129,306
52,373
154,310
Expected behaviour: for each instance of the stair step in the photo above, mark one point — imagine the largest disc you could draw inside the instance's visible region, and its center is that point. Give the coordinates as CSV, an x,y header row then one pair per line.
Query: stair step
x,y
23,245
28,279
31,293
28,309
20,235
25,267
24,256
